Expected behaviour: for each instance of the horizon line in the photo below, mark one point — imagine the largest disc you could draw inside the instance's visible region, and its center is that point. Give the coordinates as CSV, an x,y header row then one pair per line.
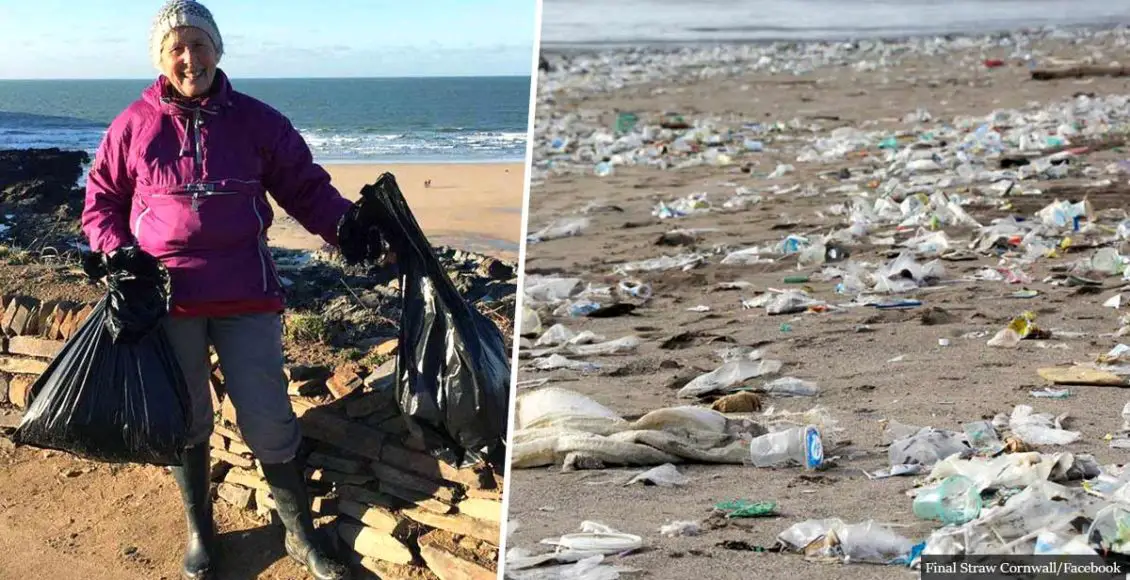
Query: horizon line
x,y
391,77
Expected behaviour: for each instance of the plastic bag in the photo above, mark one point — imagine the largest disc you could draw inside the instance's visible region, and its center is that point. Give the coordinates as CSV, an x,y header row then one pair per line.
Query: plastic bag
x,y
110,400
138,298
453,367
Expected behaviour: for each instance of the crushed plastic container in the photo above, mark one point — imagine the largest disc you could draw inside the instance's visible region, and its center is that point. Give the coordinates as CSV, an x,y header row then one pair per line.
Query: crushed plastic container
x,y
954,501
800,445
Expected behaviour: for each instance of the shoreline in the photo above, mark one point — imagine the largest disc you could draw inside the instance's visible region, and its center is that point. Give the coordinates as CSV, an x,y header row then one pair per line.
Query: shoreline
x,y
595,47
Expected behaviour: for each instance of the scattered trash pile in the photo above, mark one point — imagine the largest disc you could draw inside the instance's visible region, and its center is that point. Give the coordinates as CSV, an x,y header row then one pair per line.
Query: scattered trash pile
x,y
913,198
585,141
1022,208
986,488
575,74
557,426
991,493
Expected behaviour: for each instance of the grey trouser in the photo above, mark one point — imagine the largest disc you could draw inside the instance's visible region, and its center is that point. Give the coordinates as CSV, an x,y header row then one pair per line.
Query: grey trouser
x,y
251,359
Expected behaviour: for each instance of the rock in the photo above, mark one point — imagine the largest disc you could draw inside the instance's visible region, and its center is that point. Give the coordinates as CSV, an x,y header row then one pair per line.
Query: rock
x,y
41,180
307,372
308,388
743,402
32,346
387,347
17,315
495,269
19,388
240,497
345,380
935,316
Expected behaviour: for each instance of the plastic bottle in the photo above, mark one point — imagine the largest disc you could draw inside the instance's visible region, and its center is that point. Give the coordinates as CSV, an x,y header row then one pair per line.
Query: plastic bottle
x,y
636,288
954,501
802,445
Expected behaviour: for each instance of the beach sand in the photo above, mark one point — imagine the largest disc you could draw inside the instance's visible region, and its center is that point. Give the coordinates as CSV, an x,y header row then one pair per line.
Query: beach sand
x,y
476,207
860,374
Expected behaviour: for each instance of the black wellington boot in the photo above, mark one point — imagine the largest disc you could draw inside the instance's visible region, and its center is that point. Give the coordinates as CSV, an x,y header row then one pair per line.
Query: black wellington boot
x,y
288,486
193,480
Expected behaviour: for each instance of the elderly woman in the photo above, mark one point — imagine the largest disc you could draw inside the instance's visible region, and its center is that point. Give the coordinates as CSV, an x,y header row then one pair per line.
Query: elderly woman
x,y
183,175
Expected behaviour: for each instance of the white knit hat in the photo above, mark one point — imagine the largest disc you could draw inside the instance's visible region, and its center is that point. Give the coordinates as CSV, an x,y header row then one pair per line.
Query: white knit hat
x,y
177,13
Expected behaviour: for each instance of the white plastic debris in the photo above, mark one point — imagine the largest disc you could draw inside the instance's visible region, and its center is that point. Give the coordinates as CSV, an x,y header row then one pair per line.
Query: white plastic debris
x,y
728,376
680,528
1040,428
665,475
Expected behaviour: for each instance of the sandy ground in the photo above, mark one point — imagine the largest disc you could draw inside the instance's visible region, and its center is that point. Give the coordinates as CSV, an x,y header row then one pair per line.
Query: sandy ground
x,y
860,384
477,207
65,518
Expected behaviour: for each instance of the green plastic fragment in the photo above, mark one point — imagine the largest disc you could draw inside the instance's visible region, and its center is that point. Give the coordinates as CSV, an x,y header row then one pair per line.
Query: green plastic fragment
x,y
744,508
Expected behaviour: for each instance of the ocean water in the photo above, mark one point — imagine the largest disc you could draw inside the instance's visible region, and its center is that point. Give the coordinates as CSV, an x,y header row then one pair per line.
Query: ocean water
x,y
587,23
391,120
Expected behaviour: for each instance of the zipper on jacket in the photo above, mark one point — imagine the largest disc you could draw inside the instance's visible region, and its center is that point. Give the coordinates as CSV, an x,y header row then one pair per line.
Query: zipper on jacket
x,y
196,124
200,195
264,250
262,258
137,225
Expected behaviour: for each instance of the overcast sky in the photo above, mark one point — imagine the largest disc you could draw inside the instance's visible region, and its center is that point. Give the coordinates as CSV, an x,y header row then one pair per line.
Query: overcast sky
x,y
55,39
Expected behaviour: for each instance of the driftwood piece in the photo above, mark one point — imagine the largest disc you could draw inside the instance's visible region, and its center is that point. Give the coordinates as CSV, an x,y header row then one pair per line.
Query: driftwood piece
x,y
1078,72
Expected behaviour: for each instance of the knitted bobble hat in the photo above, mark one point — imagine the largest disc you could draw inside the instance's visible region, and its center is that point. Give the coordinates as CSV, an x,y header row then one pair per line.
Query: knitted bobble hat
x,y
178,13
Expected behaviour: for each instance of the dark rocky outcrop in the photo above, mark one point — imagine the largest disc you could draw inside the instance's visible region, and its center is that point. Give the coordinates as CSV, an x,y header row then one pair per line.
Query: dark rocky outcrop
x,y
39,189
41,180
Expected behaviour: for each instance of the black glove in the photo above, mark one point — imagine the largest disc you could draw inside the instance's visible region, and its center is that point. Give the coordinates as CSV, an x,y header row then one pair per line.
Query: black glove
x,y
359,235
139,294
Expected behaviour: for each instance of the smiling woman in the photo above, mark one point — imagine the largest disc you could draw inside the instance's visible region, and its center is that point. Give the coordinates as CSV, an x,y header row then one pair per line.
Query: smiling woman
x,y
188,59
183,175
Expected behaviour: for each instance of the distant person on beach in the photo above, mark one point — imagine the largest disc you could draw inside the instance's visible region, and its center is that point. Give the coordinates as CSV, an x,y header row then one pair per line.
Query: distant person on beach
x,y
183,174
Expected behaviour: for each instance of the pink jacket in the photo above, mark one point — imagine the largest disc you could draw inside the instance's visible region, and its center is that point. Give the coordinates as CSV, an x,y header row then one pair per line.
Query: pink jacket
x,y
188,184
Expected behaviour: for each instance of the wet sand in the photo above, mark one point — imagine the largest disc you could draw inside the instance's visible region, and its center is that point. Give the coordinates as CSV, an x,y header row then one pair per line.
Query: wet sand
x,y
476,207
862,378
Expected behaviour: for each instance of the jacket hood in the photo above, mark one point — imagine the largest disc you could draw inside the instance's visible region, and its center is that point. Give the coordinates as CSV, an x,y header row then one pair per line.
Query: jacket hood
x,y
160,95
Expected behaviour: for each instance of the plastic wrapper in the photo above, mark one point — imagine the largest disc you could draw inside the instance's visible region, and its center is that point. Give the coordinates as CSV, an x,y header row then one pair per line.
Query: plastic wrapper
x,y
729,376
118,402
926,447
452,369
563,228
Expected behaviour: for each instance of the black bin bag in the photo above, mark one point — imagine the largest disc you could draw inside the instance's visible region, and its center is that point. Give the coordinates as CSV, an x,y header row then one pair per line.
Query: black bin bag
x,y
453,366
115,392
